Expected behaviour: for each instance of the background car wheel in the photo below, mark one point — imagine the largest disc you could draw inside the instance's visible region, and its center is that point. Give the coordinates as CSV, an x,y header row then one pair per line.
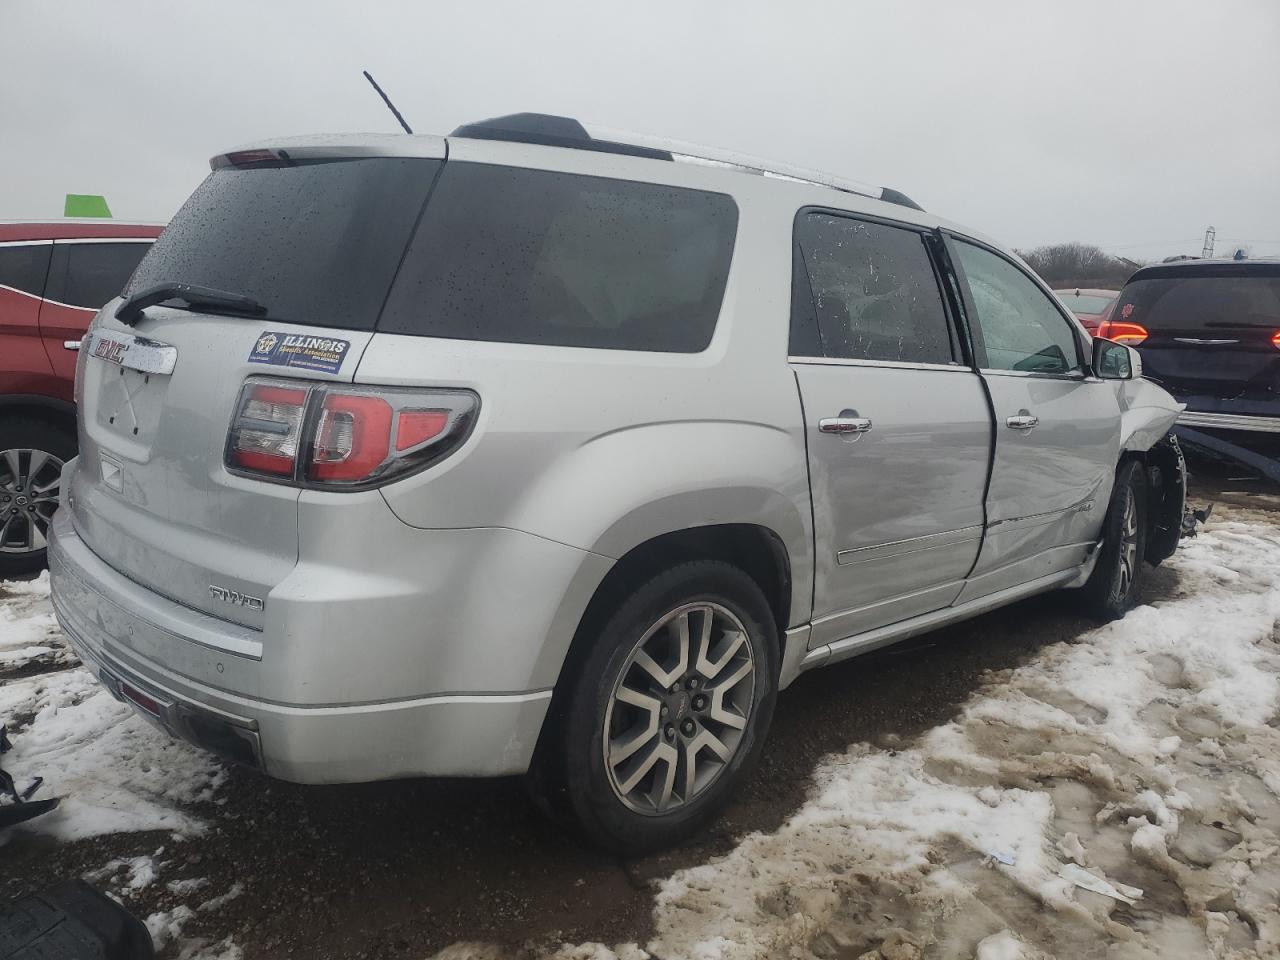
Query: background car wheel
x,y
1113,587
668,708
32,453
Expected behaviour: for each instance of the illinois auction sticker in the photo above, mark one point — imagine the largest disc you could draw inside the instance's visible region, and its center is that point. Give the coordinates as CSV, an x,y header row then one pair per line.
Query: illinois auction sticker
x,y
278,349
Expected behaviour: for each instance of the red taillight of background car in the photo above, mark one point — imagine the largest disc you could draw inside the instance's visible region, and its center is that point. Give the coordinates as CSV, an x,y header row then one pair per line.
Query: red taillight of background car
x,y
1275,339
337,437
1130,334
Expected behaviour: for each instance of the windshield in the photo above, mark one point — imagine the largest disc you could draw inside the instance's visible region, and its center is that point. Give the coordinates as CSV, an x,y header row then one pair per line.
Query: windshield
x,y
1202,303
312,242
1087,302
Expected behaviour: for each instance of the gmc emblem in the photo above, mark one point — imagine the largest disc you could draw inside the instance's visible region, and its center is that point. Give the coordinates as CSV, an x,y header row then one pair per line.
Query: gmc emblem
x,y
112,351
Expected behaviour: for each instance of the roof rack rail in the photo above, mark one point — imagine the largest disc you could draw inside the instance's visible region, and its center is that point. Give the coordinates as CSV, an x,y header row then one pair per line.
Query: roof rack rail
x,y
554,131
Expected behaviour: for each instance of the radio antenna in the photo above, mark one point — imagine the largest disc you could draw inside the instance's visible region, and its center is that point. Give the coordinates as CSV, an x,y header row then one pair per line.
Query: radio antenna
x,y
387,100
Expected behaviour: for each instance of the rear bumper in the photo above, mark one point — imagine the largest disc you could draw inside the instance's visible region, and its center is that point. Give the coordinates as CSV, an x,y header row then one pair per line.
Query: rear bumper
x,y
169,663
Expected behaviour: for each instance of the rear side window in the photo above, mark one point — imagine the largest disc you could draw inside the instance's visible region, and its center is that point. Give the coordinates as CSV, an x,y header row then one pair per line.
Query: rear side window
x,y
531,256
1194,304
23,267
872,293
314,242
89,274
1022,329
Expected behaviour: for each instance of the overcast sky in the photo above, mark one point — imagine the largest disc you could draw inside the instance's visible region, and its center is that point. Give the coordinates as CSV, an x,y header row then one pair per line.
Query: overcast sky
x,y
1129,124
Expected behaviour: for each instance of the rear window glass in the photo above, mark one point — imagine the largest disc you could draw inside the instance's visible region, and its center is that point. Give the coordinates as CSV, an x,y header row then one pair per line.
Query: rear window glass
x,y
313,242
90,274
1085,302
530,256
1201,303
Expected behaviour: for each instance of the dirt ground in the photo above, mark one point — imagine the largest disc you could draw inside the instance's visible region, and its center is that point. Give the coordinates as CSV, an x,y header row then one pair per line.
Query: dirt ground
x,y
403,869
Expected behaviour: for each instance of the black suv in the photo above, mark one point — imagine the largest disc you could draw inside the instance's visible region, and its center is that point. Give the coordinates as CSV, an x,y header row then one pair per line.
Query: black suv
x,y
1209,333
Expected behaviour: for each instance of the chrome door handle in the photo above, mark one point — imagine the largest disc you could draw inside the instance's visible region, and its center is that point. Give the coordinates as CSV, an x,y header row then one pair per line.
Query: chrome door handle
x,y
72,345
1023,421
844,426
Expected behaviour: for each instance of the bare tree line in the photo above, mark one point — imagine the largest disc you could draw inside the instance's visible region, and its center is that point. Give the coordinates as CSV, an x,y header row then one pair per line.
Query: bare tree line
x,y
1079,265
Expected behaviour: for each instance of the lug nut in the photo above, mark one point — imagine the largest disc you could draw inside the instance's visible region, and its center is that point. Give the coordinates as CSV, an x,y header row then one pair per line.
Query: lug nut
x,y
693,683
664,711
675,688
670,732
699,702
687,727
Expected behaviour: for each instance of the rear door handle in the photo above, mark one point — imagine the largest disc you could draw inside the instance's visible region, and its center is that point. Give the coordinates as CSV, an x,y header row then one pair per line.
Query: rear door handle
x,y
845,426
1023,421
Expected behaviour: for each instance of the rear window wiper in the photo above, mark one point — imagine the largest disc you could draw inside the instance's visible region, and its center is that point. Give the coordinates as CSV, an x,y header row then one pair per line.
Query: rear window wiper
x,y
130,311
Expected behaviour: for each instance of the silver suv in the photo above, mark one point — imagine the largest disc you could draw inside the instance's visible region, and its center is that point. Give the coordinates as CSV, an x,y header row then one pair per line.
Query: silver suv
x,y
524,451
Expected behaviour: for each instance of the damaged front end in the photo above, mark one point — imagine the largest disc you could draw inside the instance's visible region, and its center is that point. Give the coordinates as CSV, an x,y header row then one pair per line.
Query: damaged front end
x,y
1167,508
1148,417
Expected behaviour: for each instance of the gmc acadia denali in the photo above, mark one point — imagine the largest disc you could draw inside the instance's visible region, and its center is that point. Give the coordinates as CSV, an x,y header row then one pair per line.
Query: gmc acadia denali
x,y
523,451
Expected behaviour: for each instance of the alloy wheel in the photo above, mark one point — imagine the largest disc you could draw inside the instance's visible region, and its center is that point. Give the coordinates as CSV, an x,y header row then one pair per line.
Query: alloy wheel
x,y
680,708
29,482
1128,545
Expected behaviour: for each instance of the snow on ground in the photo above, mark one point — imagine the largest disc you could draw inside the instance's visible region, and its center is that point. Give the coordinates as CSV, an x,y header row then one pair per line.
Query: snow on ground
x,y
113,771
28,630
1145,753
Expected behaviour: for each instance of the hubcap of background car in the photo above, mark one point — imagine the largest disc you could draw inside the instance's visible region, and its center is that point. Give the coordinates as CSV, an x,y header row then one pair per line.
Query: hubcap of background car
x,y
28,496
1128,545
679,708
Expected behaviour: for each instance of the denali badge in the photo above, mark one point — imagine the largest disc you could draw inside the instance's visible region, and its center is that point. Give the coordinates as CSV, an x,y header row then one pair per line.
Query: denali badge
x,y
235,597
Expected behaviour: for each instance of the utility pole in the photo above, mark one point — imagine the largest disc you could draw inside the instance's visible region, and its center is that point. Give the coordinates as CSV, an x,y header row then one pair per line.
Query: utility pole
x,y
1209,235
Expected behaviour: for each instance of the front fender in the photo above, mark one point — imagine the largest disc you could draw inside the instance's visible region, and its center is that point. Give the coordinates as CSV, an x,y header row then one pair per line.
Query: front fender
x,y
1147,413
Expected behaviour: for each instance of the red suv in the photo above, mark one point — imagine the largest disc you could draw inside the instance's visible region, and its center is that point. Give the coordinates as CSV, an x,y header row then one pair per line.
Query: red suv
x,y
53,278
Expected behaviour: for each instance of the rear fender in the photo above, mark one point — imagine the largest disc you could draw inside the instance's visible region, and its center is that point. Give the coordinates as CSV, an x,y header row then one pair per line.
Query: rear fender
x,y
629,486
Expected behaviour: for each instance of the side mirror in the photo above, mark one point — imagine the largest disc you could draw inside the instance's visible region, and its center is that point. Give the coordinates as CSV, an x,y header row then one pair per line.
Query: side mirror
x,y
1115,361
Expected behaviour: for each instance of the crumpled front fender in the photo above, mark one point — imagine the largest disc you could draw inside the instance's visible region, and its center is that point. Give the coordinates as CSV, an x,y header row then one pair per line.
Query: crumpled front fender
x,y
1147,413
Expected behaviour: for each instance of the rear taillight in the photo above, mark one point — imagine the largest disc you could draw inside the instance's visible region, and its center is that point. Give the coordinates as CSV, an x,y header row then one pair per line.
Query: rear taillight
x,y
352,438
322,435
1275,339
1130,334
267,431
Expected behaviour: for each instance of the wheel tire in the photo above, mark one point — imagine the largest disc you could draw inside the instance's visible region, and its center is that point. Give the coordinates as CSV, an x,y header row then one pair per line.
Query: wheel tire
x,y
1116,581
23,434
574,780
